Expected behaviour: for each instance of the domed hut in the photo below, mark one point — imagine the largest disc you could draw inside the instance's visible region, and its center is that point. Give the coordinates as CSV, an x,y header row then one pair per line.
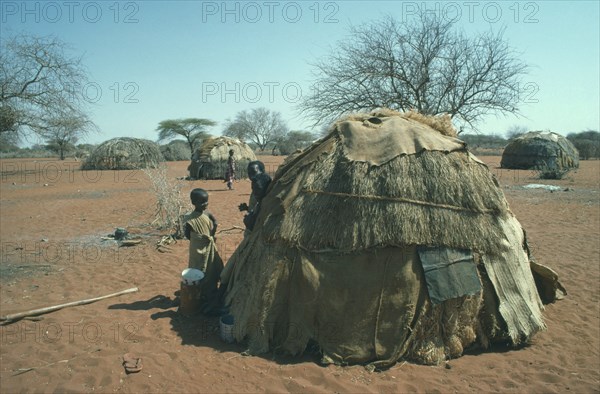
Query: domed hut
x,y
209,160
540,150
385,240
124,153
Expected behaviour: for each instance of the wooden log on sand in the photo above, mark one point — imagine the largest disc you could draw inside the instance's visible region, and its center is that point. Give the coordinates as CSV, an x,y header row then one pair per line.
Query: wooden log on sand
x,y
17,316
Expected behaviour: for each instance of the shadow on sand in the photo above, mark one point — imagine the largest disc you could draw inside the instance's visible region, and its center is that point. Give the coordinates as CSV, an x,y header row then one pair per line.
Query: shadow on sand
x,y
203,330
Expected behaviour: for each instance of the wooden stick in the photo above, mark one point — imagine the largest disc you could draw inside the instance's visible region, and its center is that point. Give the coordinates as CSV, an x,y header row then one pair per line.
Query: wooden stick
x,y
230,228
41,311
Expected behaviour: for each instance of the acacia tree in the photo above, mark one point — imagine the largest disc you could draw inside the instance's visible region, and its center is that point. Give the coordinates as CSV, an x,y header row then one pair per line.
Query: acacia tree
x,y
62,133
39,83
259,125
425,66
192,129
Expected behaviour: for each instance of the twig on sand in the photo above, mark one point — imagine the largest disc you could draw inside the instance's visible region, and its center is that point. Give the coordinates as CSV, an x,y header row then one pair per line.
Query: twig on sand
x,y
20,371
230,229
17,316
163,244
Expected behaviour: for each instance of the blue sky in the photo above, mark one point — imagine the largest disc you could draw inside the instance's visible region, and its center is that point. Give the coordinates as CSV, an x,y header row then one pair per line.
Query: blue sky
x,y
154,60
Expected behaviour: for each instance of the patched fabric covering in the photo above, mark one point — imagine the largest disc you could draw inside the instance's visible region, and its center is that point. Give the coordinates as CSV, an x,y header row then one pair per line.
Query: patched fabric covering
x,y
378,143
510,273
449,273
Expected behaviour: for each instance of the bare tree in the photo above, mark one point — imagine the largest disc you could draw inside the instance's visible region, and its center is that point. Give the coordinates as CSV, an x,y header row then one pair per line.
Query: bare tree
x,y
39,83
425,66
293,141
259,125
192,129
515,131
62,133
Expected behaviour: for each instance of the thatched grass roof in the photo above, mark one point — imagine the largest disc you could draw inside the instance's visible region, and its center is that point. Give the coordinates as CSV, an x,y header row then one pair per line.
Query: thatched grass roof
x,y
335,255
540,150
124,153
451,198
209,161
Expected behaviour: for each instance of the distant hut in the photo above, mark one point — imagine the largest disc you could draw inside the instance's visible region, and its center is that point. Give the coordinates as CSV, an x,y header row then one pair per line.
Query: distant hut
x,y
124,153
209,160
540,150
385,240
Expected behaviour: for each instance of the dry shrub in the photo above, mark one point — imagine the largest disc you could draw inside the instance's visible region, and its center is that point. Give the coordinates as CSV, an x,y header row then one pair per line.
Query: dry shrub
x,y
177,150
169,203
544,171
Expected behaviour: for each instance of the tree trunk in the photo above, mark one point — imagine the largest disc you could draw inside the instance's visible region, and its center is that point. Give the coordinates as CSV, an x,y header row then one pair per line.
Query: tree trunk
x,y
191,144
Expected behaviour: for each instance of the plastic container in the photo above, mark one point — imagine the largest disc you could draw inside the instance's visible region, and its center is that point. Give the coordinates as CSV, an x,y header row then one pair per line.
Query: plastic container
x,y
190,291
191,276
226,328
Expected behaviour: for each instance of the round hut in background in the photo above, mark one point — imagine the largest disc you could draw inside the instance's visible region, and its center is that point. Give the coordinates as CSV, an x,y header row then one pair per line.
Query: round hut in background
x,y
209,160
385,240
124,153
540,150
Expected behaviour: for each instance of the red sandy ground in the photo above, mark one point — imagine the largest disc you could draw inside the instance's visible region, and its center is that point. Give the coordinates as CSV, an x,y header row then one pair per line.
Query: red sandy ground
x,y
79,349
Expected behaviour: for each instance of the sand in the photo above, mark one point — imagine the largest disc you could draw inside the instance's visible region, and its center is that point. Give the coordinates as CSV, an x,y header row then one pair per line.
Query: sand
x,y
53,218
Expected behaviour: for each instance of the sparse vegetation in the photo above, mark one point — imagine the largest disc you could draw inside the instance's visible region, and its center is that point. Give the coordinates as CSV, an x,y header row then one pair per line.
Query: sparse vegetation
x,y
294,140
587,143
176,150
547,172
169,202
484,144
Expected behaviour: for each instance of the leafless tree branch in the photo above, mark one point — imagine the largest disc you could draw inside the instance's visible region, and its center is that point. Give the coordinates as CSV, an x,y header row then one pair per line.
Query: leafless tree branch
x,y
426,66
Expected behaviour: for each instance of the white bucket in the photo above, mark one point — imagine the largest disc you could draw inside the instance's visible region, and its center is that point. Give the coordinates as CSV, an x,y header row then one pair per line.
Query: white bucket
x,y
226,327
191,276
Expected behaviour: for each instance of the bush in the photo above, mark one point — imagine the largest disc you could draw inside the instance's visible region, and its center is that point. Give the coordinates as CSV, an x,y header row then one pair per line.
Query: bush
x,y
177,150
293,141
29,153
169,203
547,172
587,143
483,141
82,151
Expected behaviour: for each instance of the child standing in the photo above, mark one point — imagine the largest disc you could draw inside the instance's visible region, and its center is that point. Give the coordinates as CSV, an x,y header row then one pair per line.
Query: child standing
x,y
200,229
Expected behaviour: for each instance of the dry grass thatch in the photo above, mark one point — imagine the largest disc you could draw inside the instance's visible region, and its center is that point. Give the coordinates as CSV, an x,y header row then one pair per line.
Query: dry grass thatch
x,y
209,161
124,154
334,254
540,150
